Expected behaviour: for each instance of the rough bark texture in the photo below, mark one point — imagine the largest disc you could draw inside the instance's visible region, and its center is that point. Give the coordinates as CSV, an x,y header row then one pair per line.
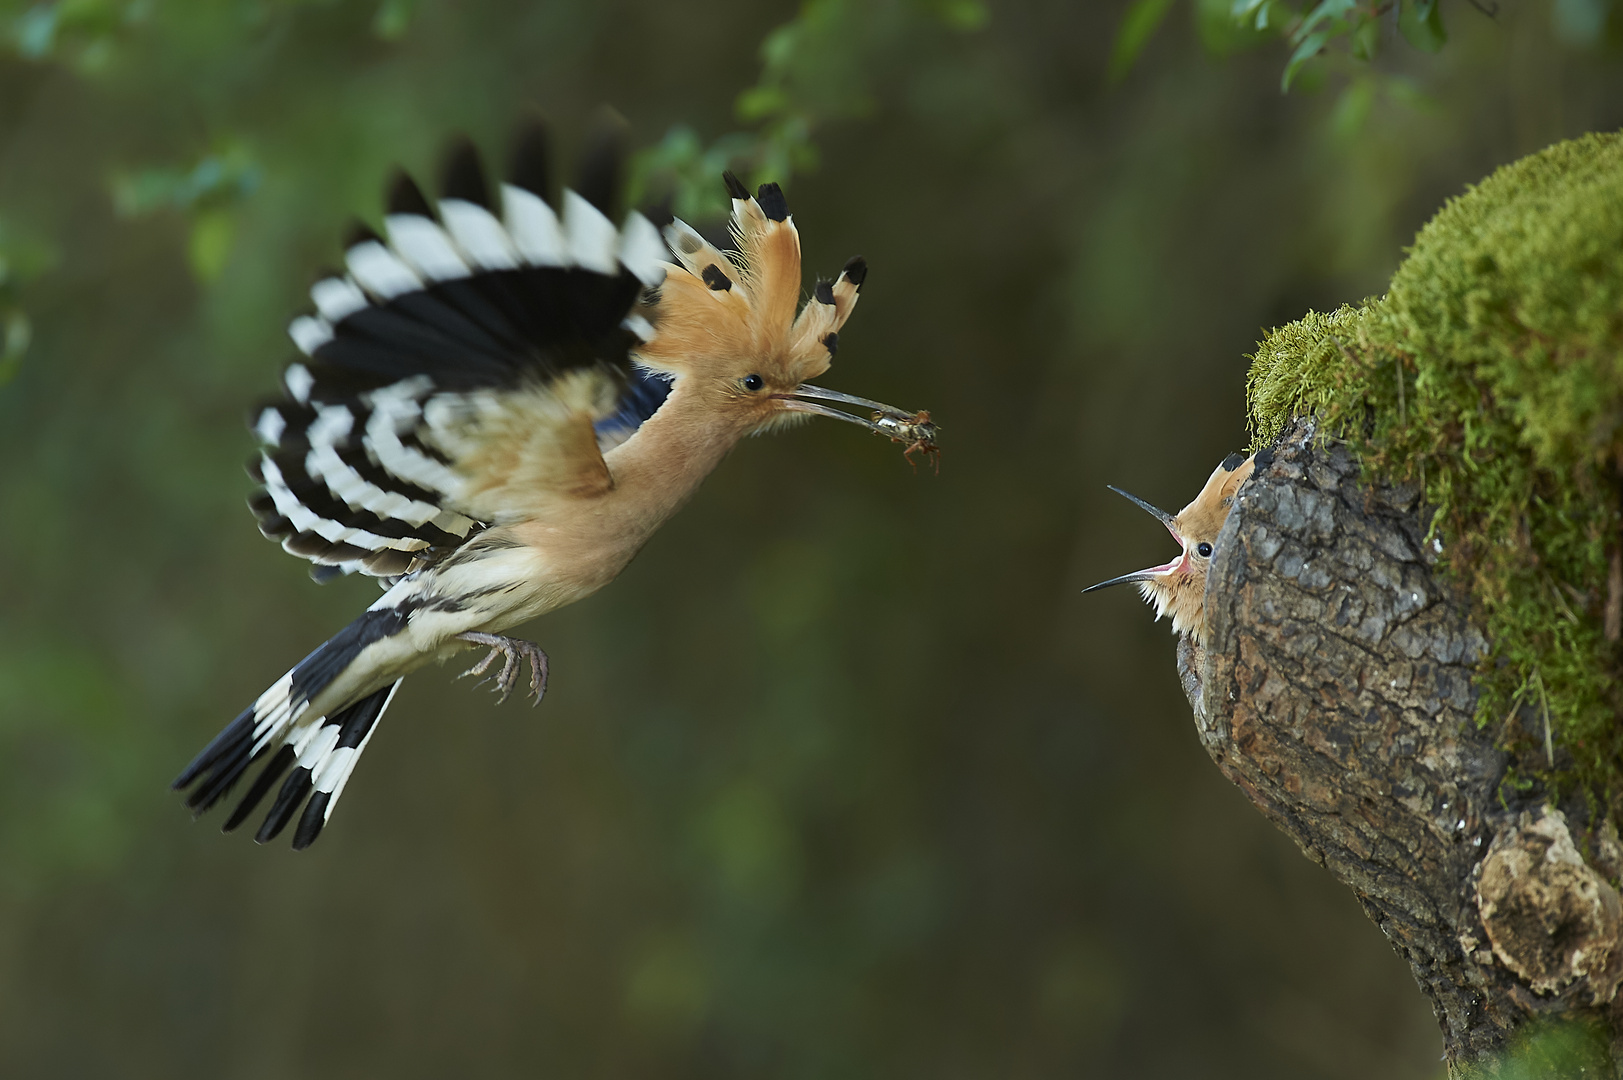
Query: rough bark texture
x,y
1335,690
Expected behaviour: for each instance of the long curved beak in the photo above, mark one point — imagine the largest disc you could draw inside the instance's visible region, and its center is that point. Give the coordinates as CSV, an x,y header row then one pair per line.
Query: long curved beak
x,y
1155,571
1127,579
886,420
1155,511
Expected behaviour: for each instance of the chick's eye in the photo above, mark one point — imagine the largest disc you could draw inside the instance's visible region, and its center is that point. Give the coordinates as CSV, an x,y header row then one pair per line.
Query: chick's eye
x,y
753,382
1204,550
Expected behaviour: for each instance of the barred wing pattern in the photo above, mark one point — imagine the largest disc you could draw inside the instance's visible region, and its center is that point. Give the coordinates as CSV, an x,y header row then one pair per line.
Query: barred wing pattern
x,y
424,335
462,342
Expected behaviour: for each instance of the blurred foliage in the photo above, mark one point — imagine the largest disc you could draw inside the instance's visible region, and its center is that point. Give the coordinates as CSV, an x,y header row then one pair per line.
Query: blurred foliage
x,y
842,777
1318,30
1491,372
79,33
22,259
821,67
205,193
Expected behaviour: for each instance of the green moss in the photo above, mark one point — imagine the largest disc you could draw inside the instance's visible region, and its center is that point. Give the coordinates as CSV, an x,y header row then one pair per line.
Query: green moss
x,y
1492,371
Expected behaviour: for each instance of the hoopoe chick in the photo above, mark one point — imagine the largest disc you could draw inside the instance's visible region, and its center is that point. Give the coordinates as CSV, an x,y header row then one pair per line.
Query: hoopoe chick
x,y
1178,588
498,404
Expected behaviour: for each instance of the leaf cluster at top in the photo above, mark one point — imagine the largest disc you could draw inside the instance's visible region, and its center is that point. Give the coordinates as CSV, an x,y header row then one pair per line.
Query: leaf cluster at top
x,y
1314,30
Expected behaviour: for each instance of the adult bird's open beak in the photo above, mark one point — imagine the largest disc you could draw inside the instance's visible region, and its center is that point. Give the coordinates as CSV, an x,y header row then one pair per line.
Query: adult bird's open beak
x,y
1180,563
914,430
886,420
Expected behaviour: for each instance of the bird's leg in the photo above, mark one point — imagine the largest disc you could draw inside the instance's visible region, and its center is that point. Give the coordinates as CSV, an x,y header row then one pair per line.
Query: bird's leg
x,y
513,651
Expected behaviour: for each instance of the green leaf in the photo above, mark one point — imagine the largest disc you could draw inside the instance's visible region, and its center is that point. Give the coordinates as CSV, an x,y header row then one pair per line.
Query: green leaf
x,y
1421,24
1140,23
1256,15
1327,9
1227,26
1326,20
1307,50
1366,38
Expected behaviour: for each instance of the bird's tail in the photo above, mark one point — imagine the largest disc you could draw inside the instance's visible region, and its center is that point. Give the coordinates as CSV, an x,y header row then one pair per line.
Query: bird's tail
x,y
320,750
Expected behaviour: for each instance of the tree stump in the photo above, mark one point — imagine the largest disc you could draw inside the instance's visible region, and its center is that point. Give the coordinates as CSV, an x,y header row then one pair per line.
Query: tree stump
x,y
1335,690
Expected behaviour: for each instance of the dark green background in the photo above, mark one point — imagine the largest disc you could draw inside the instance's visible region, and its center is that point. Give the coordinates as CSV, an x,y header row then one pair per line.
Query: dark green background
x,y
843,777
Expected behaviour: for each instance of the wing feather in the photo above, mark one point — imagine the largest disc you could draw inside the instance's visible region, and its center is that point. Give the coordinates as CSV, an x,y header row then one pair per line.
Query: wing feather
x,y
465,371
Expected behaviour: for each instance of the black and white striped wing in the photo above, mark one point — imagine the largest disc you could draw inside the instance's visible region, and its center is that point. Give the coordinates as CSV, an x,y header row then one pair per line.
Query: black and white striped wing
x,y
431,336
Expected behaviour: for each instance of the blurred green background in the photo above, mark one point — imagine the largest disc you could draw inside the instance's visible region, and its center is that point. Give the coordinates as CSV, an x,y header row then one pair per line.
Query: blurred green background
x,y
843,777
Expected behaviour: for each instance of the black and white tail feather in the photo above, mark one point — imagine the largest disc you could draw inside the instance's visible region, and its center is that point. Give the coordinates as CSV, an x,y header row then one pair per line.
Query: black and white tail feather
x,y
431,332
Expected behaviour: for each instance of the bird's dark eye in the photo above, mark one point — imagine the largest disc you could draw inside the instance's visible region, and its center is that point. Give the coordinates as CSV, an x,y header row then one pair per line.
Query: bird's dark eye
x,y
753,382
1203,550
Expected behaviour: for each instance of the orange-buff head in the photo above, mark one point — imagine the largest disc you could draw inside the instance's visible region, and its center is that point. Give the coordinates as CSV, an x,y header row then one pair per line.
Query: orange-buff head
x,y
1178,588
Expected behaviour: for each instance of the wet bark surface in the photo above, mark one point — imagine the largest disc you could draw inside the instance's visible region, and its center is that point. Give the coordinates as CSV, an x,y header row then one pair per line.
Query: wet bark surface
x,y
1335,689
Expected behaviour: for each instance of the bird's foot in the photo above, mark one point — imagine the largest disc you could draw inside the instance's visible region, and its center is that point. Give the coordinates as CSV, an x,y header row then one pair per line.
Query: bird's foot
x,y
513,652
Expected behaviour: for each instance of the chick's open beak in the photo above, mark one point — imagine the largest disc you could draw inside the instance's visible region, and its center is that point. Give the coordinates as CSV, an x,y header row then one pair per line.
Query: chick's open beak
x,y
1181,563
1154,511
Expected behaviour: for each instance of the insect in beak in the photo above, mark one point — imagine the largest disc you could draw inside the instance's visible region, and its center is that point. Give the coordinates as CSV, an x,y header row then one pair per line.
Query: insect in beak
x,y
914,428
1180,563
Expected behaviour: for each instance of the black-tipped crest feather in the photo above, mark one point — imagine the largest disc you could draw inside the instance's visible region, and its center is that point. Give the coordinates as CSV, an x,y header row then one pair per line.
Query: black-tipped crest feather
x,y
773,203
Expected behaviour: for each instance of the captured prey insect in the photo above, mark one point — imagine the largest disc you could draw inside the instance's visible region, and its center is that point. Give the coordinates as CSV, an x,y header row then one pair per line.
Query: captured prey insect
x,y
917,430
1178,588
500,401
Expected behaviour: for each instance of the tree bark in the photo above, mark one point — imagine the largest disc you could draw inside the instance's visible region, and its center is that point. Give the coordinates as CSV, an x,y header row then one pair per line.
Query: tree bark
x,y
1335,689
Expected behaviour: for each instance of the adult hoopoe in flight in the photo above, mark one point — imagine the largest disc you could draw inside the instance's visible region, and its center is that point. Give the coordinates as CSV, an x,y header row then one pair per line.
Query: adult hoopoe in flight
x,y
498,405
1178,588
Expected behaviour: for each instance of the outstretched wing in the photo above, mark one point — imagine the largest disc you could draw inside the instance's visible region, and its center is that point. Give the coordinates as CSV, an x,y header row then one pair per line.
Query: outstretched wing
x,y
462,370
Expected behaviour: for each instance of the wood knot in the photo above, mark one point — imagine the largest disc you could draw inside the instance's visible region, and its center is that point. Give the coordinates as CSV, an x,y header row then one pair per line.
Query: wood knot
x,y
1551,919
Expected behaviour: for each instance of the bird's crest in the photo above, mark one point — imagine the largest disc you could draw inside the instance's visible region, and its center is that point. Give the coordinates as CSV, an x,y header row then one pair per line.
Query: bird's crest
x,y
743,304
477,417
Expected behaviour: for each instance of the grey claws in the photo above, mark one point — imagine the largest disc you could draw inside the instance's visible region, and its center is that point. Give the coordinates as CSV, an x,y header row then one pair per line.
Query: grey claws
x,y
513,652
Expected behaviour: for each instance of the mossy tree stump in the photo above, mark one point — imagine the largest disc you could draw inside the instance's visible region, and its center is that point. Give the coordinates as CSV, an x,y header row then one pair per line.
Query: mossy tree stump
x,y
1412,662
1336,691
